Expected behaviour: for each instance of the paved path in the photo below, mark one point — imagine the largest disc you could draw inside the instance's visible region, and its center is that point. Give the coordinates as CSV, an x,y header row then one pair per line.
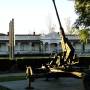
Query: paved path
x,y
40,84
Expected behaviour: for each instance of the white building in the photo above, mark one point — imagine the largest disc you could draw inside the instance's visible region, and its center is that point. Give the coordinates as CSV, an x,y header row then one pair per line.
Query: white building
x,y
28,44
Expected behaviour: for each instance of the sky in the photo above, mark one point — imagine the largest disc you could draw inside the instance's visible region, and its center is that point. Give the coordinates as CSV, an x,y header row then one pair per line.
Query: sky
x,y
34,15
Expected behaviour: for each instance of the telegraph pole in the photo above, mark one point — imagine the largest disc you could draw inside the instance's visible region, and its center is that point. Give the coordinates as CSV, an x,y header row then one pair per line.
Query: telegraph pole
x,y
11,40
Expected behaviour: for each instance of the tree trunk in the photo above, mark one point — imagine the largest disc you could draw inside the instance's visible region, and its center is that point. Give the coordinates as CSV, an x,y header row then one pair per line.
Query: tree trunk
x,y
83,47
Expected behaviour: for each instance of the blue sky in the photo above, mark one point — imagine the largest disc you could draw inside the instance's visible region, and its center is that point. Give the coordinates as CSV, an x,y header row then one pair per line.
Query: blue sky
x,y
34,15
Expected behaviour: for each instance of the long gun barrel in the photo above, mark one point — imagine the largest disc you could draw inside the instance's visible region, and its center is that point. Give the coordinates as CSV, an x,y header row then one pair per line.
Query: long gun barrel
x,y
61,28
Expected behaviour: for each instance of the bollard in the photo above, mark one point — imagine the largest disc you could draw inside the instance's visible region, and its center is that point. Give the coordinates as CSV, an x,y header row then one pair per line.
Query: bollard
x,y
47,71
29,74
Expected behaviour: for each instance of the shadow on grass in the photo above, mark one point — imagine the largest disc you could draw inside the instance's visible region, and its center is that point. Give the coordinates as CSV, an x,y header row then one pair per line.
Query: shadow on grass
x,y
11,78
4,88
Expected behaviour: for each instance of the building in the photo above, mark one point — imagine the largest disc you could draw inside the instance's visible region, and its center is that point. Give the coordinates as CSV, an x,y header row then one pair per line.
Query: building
x,y
33,43
23,44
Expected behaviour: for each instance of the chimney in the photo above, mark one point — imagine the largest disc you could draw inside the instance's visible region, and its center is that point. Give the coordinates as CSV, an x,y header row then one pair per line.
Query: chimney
x,y
33,33
8,33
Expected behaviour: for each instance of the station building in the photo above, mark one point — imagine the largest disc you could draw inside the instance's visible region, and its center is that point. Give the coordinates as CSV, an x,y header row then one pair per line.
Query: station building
x,y
38,43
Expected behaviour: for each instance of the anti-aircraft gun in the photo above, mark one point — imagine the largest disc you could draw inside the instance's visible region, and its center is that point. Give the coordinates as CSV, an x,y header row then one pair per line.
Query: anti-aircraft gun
x,y
67,56
48,70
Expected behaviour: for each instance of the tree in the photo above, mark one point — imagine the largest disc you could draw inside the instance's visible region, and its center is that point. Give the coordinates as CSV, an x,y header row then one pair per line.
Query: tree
x,y
50,24
83,34
74,31
82,8
68,24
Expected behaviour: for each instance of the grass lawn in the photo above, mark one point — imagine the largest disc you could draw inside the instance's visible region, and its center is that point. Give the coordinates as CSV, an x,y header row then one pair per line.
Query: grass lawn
x,y
4,88
11,78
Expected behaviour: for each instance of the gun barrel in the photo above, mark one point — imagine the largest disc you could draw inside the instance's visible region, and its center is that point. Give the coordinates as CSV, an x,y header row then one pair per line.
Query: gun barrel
x,y
61,28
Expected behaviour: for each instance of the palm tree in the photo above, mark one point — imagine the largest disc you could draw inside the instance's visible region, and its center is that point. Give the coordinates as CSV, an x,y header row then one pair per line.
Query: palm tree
x,y
83,34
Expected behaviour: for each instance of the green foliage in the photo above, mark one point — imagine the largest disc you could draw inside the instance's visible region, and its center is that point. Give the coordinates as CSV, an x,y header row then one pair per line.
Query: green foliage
x,y
74,31
83,34
82,8
12,78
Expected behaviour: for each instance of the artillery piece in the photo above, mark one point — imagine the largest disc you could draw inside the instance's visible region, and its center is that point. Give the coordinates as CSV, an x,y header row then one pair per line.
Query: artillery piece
x,y
67,59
